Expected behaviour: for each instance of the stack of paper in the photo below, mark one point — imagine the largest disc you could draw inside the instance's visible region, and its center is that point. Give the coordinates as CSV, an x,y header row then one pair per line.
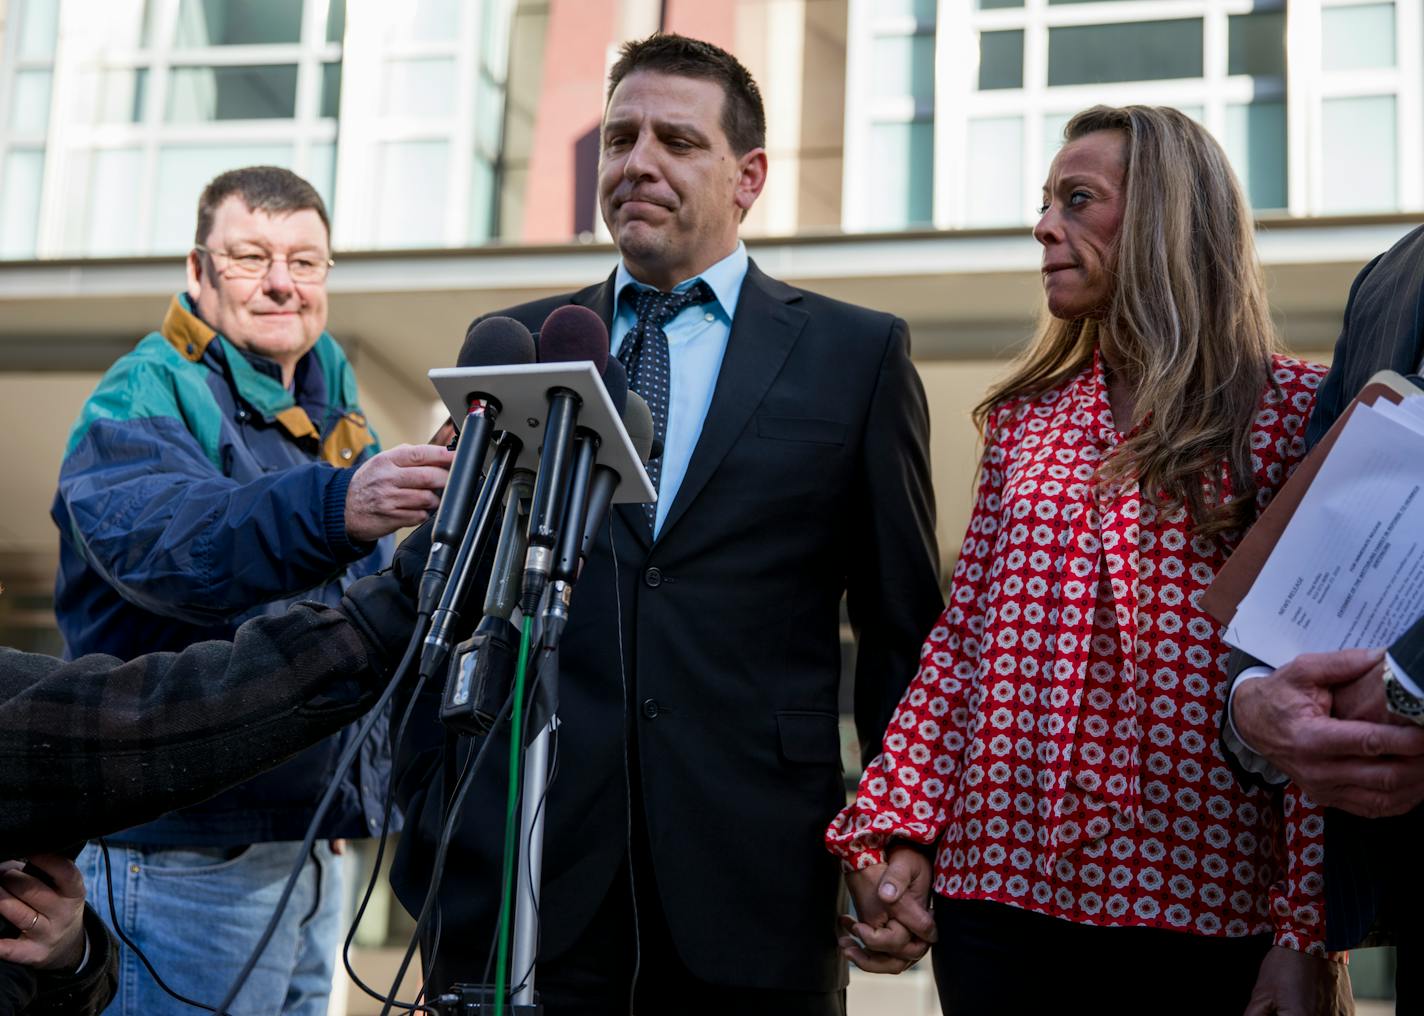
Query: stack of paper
x,y
1348,569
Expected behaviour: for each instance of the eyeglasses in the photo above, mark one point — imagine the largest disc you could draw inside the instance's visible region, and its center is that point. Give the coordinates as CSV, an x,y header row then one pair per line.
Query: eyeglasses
x,y
255,264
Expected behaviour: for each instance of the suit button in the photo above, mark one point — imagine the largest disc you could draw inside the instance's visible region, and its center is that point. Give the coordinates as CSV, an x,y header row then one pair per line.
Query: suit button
x,y
653,577
650,708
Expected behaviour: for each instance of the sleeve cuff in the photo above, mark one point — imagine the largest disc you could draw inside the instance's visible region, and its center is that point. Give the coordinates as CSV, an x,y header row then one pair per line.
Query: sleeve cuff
x,y
1251,760
343,548
1404,677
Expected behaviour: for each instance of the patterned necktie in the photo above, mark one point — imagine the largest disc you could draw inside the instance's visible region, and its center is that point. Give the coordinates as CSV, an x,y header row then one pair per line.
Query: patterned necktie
x,y
645,356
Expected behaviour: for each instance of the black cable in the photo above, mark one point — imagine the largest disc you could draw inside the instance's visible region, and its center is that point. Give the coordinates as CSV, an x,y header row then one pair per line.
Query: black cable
x,y
119,931
380,854
437,864
348,758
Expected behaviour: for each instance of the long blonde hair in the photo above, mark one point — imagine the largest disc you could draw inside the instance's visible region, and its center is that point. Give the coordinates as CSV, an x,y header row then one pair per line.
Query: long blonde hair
x,y
1187,323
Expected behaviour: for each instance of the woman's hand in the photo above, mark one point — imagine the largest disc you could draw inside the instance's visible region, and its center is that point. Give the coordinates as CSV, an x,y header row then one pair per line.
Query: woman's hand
x,y
895,927
46,905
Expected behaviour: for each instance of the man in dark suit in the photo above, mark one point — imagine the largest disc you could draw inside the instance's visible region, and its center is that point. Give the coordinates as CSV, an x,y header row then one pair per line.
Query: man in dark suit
x,y
1345,725
699,756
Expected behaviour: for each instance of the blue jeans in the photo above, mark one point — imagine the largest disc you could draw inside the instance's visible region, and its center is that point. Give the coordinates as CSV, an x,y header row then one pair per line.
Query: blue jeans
x,y
197,913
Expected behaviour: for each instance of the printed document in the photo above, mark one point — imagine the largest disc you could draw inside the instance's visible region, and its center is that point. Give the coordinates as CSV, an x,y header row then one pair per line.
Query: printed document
x,y
1348,571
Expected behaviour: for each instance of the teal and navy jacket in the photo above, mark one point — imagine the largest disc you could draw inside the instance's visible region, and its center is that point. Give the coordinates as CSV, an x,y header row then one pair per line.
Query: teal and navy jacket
x,y
197,492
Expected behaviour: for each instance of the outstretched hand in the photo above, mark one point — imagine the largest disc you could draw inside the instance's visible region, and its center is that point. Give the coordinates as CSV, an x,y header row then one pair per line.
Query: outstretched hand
x,y
895,927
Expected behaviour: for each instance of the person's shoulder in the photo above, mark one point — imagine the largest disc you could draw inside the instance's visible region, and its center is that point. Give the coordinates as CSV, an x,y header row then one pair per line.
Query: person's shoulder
x,y
1298,379
532,314
851,326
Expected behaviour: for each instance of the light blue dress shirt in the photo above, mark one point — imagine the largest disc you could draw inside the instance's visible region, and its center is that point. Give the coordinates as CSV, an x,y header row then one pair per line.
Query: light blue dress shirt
x,y
697,341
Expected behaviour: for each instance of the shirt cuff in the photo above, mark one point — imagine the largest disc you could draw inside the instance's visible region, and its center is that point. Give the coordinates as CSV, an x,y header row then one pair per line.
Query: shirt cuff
x,y
343,548
1402,676
1251,760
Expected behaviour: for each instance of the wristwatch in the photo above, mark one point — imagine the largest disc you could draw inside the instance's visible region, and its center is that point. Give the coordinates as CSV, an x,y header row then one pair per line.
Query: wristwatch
x,y
1399,699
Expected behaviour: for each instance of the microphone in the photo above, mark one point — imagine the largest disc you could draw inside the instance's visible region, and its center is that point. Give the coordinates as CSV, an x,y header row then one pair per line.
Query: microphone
x,y
638,422
480,681
492,342
568,559
570,333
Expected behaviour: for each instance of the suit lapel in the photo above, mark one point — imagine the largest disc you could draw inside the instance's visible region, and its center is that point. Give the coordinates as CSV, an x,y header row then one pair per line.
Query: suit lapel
x,y
766,327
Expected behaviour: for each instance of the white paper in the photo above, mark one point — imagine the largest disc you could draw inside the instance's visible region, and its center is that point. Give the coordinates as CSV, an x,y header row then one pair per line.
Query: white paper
x,y
1349,569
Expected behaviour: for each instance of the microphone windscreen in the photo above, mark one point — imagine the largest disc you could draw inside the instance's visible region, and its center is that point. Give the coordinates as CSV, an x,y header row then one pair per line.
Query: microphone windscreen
x,y
615,380
495,341
574,333
638,421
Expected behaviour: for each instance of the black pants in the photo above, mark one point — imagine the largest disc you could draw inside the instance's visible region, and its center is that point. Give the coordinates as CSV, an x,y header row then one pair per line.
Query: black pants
x,y
996,960
596,976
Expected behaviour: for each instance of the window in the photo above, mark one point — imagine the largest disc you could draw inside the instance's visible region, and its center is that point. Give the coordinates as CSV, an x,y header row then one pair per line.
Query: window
x,y
1001,59
1135,51
1357,38
1360,165
197,94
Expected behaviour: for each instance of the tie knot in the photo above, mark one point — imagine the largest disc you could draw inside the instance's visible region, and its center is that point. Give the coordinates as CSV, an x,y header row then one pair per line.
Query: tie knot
x,y
657,309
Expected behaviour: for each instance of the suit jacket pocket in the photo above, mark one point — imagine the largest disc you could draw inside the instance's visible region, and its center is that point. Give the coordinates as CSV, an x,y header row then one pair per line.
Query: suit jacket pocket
x,y
810,738
805,429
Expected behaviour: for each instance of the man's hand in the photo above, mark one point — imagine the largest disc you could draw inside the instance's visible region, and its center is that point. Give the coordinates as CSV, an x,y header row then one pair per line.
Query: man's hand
x,y
50,920
395,489
1293,983
1366,768
892,900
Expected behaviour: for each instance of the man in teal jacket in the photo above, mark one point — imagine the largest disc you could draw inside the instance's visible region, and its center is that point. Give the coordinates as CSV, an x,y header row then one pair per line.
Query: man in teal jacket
x,y
223,470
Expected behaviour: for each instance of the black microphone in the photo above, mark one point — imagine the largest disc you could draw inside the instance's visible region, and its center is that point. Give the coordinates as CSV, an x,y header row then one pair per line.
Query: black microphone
x,y
481,678
571,333
568,557
494,341
638,422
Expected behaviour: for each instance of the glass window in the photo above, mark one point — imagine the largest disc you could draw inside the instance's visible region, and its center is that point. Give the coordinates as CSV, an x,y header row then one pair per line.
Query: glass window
x,y
20,204
424,20
996,172
238,22
1255,143
904,65
39,26
1358,146
1053,124
1141,51
321,171
198,94
1001,59
1354,38
331,90
482,201
29,101
489,120
411,194
1256,43
920,10
422,88
989,5
336,21
901,158
115,176
183,172
123,93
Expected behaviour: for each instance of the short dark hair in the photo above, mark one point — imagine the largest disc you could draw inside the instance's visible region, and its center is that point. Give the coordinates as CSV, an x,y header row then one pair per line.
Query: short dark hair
x,y
743,116
269,189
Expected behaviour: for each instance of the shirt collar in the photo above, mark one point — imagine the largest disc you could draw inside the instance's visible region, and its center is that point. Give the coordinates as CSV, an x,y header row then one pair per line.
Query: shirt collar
x,y
725,279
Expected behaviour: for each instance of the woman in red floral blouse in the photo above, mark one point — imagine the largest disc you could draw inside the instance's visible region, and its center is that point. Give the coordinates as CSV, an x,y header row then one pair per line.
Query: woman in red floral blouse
x,y
1056,758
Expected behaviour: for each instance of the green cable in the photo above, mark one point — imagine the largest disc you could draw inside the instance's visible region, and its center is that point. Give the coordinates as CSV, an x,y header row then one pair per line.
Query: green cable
x,y
511,817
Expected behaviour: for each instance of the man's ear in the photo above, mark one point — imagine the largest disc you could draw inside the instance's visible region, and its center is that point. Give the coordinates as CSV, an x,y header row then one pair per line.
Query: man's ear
x,y
751,178
196,268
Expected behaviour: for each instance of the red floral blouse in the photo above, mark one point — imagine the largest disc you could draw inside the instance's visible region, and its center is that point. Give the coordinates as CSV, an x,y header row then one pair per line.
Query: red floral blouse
x,y
1059,742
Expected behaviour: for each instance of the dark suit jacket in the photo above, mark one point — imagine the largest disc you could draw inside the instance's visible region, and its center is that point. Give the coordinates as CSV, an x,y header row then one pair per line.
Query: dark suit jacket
x,y
810,478
1366,861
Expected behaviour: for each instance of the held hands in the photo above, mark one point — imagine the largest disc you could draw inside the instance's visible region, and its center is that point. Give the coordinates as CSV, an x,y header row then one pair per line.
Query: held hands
x,y
1293,983
1358,760
395,489
50,919
892,900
